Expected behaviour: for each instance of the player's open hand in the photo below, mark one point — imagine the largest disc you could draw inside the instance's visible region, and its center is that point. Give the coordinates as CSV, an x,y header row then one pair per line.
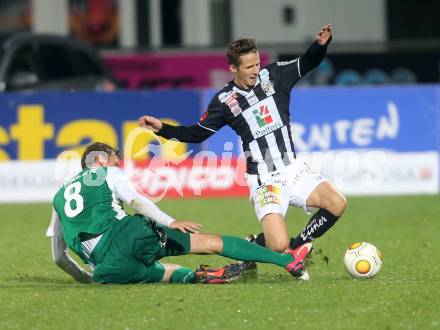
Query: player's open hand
x,y
151,123
325,35
186,226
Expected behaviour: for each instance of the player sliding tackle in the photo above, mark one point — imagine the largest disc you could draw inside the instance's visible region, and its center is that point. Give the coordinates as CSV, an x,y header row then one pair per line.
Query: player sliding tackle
x,y
88,217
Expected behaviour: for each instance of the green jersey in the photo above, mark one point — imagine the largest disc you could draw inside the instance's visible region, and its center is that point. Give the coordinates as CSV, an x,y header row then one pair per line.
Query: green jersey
x,y
88,206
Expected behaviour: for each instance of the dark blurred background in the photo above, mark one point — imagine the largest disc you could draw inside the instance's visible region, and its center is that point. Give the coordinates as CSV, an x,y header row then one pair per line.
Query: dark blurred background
x,y
376,41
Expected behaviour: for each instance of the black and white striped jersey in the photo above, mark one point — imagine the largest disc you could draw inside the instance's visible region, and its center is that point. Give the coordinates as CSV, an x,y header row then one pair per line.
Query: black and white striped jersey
x,y
260,116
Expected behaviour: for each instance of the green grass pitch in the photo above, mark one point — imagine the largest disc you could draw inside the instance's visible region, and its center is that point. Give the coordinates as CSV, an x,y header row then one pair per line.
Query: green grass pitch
x,y
35,294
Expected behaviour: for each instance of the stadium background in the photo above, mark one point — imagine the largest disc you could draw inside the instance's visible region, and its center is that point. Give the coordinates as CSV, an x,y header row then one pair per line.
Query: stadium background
x,y
364,115
368,118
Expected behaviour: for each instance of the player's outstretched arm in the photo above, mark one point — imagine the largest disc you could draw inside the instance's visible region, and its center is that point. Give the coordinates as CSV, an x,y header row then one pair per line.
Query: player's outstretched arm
x,y
147,208
151,123
188,134
60,253
317,50
142,205
66,263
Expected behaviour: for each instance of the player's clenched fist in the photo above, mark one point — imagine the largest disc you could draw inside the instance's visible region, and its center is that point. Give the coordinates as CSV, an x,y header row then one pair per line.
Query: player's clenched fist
x,y
151,123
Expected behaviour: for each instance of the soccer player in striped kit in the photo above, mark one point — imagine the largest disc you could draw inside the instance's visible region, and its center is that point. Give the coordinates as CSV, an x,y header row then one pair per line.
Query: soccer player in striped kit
x,y
255,104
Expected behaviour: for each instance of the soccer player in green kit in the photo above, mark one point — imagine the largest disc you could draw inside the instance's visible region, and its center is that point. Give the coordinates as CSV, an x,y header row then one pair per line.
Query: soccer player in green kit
x,y
88,218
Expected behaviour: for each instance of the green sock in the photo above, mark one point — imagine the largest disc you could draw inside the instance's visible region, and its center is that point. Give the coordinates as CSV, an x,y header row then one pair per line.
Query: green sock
x,y
240,249
183,275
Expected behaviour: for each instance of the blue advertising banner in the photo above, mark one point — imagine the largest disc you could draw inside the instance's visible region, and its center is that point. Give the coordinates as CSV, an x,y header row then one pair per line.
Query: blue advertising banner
x,y
35,126
402,119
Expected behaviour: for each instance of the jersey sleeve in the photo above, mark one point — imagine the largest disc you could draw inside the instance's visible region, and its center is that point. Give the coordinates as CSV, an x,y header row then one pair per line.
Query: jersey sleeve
x,y
312,57
60,252
124,191
54,228
188,134
120,184
289,72
210,122
214,118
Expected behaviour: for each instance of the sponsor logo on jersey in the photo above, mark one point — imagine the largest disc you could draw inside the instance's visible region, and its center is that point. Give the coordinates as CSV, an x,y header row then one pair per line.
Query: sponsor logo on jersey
x,y
230,99
267,87
224,96
236,110
268,194
268,129
263,118
282,63
264,75
252,98
266,83
262,115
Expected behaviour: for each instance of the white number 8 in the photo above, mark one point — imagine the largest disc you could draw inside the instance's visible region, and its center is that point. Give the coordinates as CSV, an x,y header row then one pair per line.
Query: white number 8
x,y
71,193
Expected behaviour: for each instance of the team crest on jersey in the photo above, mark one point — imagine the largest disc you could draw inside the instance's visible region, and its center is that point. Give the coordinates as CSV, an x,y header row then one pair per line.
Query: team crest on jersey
x,y
267,87
230,99
262,115
268,194
266,83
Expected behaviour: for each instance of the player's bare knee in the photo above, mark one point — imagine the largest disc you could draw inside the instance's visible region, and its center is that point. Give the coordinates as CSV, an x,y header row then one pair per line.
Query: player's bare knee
x,y
338,204
206,244
277,245
213,244
216,244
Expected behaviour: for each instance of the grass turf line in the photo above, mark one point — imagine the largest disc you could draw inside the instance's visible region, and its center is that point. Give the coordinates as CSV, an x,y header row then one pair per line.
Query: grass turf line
x,y
404,295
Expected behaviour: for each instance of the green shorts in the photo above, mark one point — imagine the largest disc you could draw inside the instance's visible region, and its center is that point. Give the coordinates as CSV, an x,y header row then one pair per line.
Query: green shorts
x,y
130,252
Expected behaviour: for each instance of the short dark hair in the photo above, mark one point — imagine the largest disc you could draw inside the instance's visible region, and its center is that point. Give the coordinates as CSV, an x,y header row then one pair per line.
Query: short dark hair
x,y
97,147
239,47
